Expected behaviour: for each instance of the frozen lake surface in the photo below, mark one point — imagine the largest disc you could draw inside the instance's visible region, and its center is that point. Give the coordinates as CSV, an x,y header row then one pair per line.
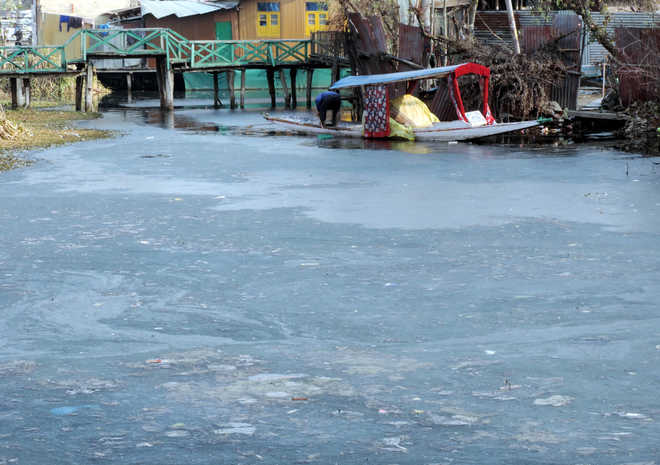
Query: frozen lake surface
x,y
201,291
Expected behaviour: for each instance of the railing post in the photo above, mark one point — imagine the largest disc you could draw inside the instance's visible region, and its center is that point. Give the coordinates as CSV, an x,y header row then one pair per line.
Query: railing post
x,y
192,54
83,46
26,60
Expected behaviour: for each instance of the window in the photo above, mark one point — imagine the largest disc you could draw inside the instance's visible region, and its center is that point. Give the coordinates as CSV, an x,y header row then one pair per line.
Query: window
x,y
268,19
317,17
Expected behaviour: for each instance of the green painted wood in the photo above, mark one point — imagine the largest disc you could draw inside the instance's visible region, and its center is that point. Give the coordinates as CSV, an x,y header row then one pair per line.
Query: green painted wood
x,y
157,42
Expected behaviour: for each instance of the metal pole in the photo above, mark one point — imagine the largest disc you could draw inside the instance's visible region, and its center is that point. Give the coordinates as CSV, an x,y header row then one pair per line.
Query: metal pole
x,y
512,24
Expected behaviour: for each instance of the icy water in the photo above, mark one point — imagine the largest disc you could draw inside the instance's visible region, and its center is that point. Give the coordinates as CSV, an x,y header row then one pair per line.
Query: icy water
x,y
199,290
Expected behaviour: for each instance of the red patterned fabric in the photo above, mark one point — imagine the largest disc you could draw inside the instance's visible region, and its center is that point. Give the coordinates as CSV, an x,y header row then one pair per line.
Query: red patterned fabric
x,y
376,112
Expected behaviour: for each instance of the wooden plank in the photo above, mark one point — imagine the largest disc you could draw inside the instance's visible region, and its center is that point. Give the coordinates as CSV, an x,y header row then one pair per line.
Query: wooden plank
x,y
598,115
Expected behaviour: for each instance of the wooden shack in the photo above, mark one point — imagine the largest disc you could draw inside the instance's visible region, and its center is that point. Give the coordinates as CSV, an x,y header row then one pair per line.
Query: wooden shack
x,y
194,20
281,19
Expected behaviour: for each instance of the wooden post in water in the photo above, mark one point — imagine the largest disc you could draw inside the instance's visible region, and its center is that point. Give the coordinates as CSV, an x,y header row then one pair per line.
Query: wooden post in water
x,y
335,72
13,85
285,89
80,84
129,87
231,75
310,78
270,75
165,78
26,93
216,91
293,72
243,88
89,88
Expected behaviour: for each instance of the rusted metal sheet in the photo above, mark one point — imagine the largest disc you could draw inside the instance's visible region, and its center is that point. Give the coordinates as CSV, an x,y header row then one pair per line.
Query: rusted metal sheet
x,y
567,28
639,52
413,46
534,37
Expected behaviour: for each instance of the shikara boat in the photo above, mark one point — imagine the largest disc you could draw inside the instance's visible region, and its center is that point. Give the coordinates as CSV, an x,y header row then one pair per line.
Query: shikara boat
x,y
376,122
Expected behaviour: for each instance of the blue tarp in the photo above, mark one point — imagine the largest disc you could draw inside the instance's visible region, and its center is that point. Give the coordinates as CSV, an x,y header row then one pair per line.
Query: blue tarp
x,y
369,79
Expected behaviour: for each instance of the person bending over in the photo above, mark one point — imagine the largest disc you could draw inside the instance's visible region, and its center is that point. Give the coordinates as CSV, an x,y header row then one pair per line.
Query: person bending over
x,y
328,101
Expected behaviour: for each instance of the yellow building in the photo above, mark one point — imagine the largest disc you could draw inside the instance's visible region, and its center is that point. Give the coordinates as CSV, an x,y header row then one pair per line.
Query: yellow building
x,y
281,19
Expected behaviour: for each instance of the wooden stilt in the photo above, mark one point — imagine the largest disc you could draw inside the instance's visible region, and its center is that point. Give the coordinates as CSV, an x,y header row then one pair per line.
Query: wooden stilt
x,y
310,78
270,75
80,84
293,72
165,78
89,88
129,87
285,89
27,93
232,94
243,88
13,84
335,72
216,91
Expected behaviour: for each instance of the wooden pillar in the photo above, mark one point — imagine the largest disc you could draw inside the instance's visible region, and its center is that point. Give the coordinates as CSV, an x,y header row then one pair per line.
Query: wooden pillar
x,y
335,72
285,89
13,84
129,87
293,72
310,78
243,88
270,75
232,94
217,103
89,88
80,84
26,93
165,78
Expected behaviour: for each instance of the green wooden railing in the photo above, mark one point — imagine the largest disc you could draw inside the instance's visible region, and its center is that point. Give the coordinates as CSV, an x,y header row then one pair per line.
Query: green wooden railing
x,y
214,53
24,60
110,43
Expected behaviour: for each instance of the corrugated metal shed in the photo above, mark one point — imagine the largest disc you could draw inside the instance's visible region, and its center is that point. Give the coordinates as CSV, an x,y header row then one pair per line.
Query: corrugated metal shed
x,y
492,27
182,8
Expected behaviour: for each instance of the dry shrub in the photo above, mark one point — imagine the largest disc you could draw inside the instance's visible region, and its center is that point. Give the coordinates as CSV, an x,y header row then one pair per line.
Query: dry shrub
x,y
520,85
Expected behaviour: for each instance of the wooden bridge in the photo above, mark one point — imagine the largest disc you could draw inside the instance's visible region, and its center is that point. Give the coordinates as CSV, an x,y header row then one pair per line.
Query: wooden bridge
x,y
172,53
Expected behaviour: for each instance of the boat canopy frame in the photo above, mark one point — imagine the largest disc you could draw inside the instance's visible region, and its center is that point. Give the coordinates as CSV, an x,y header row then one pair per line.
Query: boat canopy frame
x,y
452,73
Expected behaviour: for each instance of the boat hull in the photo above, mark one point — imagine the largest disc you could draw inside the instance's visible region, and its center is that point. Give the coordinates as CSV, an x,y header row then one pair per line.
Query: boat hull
x,y
448,132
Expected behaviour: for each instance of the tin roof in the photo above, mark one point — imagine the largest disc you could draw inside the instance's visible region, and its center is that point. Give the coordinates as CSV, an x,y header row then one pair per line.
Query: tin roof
x,y
182,8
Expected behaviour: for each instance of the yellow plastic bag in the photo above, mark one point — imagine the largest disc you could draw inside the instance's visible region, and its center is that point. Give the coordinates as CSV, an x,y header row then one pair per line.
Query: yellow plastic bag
x,y
411,111
399,131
